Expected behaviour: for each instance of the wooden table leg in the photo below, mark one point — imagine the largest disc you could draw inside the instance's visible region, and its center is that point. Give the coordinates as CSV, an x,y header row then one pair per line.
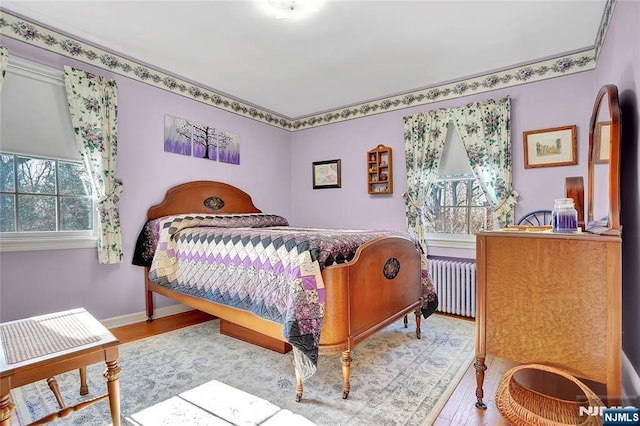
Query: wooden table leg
x,y
53,385
6,407
113,384
84,389
480,367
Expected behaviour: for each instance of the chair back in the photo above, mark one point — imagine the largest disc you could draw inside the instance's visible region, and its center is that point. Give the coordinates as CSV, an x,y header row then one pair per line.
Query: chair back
x,y
536,218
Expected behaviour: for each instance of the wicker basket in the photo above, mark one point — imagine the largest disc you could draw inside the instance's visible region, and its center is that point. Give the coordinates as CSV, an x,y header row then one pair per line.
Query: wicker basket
x,y
525,407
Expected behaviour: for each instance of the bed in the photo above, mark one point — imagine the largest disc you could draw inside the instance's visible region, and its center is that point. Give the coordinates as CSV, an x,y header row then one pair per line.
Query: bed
x,y
321,291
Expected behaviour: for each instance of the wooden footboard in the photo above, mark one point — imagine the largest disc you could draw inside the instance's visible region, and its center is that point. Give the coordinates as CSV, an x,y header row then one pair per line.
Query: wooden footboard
x,y
361,300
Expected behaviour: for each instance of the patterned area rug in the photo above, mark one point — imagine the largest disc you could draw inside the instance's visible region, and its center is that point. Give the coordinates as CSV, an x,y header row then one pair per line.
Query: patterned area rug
x,y
395,380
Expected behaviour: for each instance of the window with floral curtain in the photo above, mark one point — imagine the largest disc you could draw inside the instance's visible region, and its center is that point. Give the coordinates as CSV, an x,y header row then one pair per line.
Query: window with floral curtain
x,y
4,58
485,131
93,107
424,137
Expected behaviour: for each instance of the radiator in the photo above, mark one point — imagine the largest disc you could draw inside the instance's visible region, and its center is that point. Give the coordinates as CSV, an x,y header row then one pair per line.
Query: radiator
x,y
455,284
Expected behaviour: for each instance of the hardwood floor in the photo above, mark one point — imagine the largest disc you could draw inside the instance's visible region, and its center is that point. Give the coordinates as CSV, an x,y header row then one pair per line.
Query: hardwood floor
x,y
458,411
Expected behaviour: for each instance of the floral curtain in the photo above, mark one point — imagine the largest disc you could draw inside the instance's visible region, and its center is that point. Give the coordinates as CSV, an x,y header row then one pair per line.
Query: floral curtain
x,y
485,131
4,58
93,107
424,137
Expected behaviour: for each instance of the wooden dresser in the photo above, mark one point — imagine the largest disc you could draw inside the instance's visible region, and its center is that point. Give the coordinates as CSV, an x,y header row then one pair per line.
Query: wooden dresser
x,y
552,299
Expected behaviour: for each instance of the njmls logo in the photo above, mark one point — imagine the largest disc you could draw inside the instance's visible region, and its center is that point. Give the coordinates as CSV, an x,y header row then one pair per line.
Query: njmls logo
x,y
599,410
614,416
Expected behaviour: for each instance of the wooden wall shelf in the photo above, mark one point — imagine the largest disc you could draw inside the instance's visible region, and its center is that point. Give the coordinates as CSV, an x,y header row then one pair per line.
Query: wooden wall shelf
x,y
379,170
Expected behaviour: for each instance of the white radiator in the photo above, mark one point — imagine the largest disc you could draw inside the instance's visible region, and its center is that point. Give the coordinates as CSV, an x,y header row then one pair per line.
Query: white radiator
x,y
455,284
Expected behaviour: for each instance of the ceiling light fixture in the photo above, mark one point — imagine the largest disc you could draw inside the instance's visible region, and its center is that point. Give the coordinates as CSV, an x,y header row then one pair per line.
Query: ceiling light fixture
x,y
292,8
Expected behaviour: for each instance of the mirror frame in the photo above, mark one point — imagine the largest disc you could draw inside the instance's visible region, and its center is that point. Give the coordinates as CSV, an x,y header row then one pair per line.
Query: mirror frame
x,y
611,93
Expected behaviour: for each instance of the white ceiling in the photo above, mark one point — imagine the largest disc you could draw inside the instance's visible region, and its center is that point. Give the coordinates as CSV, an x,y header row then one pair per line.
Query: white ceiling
x,y
348,52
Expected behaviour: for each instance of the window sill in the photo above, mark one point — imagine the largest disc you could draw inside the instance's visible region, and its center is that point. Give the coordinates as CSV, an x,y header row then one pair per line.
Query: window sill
x,y
53,242
454,241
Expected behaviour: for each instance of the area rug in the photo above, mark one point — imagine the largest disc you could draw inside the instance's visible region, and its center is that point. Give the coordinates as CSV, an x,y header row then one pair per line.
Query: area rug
x,y
396,379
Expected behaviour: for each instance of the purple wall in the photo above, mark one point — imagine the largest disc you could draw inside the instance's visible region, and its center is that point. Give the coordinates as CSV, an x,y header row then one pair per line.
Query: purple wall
x,y
45,281
550,103
619,63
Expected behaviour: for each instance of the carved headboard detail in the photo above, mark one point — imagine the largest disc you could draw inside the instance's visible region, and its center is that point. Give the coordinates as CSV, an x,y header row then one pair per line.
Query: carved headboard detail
x,y
203,197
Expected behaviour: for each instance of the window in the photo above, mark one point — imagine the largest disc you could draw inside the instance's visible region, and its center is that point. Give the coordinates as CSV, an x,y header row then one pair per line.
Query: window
x,y
456,205
45,193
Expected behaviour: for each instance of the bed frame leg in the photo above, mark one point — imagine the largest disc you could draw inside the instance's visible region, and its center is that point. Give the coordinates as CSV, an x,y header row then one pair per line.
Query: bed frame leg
x,y
149,296
298,386
418,320
345,359
405,321
149,305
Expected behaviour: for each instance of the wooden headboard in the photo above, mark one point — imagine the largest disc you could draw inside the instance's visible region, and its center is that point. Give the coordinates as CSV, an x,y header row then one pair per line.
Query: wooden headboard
x,y
203,196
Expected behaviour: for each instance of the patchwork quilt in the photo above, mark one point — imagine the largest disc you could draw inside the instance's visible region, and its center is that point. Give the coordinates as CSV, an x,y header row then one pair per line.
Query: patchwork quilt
x,y
256,262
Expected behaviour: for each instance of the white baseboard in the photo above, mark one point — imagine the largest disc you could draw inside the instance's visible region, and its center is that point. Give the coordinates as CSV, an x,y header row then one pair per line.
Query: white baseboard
x,y
630,381
142,316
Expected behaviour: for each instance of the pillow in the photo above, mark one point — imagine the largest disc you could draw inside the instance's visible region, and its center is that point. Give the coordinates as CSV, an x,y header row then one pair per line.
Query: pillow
x,y
148,236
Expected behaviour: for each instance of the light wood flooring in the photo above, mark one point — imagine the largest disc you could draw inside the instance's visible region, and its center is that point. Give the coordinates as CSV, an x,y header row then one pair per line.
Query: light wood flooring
x,y
459,409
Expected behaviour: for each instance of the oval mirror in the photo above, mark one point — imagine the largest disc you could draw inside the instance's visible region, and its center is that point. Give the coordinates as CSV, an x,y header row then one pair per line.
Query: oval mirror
x,y
603,196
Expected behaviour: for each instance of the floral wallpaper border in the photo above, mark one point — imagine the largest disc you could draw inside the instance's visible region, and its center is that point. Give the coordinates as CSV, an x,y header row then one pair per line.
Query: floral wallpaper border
x,y
37,35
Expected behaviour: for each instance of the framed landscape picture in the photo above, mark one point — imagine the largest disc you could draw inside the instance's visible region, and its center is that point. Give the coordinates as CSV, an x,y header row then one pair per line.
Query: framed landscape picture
x,y
556,146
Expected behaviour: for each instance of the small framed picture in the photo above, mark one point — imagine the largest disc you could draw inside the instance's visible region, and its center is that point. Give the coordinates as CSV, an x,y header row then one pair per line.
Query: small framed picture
x,y
602,141
556,146
326,174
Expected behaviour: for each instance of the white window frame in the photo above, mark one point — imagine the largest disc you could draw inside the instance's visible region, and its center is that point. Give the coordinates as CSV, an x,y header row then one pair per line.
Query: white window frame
x,y
37,241
58,240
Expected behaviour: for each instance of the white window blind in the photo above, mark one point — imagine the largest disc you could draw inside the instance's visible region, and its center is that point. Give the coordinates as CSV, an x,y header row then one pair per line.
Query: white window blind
x,y
34,116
